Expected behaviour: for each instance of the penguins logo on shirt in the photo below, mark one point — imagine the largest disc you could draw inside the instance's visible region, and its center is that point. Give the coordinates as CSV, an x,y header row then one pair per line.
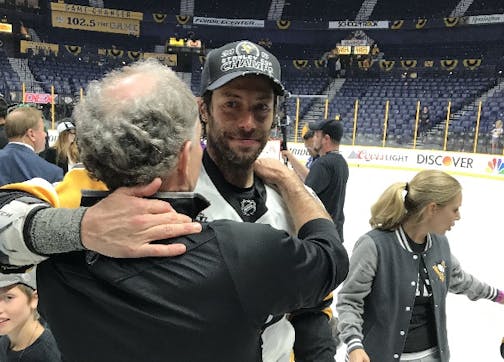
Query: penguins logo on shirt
x,y
248,207
439,269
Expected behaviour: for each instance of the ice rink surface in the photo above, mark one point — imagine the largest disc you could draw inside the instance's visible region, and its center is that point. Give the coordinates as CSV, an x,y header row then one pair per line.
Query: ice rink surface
x,y
475,329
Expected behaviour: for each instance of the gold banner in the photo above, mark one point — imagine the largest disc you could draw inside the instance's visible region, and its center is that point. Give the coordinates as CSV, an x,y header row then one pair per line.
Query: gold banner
x,y
283,24
449,64
95,19
5,28
158,17
361,49
88,10
134,55
73,49
451,22
344,49
112,53
408,64
420,23
183,19
300,63
167,59
471,63
37,47
387,65
397,24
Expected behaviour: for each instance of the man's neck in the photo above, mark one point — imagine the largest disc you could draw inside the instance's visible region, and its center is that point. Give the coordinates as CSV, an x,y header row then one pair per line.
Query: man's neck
x,y
242,177
21,142
239,178
328,149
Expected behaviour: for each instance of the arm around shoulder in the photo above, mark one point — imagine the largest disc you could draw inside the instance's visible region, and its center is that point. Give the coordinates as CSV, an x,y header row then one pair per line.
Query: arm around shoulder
x,y
16,212
302,206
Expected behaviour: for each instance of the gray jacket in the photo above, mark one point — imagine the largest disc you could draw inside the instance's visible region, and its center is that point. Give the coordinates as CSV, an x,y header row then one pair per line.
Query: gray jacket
x,y
376,301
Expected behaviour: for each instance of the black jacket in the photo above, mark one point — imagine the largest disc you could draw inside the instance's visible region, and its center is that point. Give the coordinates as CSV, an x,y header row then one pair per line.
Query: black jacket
x,y
209,304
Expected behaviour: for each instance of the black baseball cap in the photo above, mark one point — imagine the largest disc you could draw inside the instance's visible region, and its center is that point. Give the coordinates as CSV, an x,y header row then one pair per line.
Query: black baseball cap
x,y
238,59
329,126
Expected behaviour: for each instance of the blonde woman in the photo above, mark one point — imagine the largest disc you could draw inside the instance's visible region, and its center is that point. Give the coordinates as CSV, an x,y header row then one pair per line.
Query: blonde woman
x,y
392,304
22,336
64,153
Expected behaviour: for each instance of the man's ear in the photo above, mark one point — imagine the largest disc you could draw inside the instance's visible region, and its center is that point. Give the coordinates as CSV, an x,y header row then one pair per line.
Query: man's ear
x,y
184,161
30,133
203,110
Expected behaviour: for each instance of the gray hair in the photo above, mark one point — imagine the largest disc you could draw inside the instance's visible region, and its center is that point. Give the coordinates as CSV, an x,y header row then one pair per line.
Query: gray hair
x,y
132,139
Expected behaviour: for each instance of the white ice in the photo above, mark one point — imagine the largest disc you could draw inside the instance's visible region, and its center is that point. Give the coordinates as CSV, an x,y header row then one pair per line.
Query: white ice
x,y
475,329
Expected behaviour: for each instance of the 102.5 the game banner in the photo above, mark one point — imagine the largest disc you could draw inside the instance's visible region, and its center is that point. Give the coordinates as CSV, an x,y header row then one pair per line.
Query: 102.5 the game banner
x,y
89,18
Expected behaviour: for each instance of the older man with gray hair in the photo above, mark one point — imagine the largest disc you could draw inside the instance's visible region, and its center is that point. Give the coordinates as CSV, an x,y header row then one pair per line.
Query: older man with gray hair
x,y
138,124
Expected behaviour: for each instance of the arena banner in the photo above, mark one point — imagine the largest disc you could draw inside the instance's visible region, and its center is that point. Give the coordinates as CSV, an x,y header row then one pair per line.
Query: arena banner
x,y
37,47
39,98
167,59
233,23
5,28
354,42
89,18
111,52
468,164
485,19
359,24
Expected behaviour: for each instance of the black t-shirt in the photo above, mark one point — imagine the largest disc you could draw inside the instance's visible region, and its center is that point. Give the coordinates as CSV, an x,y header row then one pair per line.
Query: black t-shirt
x,y
422,328
44,349
328,178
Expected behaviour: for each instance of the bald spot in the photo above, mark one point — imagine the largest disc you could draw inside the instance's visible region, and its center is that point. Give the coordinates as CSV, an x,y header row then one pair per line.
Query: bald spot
x,y
131,87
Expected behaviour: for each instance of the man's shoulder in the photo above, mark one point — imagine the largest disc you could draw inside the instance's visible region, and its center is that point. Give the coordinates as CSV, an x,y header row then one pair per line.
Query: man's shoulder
x,y
334,159
243,231
230,226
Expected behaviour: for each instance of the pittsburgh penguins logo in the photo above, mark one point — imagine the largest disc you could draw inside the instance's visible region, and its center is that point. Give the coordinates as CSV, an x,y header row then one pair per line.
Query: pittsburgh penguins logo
x,y
247,48
201,217
440,269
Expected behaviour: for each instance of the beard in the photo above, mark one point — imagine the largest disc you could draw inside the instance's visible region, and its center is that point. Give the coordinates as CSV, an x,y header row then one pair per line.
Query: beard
x,y
230,158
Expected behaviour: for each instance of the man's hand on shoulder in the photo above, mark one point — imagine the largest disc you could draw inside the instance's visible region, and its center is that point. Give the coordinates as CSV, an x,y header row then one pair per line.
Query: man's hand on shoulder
x,y
124,224
272,171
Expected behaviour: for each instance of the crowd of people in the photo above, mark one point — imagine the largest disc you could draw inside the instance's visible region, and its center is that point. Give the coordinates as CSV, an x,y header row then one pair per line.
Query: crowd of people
x,y
139,234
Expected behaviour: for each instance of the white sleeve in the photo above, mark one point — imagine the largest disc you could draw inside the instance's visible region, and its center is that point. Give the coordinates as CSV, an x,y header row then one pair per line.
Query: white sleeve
x,y
13,215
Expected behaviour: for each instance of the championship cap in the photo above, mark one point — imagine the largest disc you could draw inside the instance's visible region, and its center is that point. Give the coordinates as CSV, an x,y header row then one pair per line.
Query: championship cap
x,y
27,278
331,127
65,125
238,59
